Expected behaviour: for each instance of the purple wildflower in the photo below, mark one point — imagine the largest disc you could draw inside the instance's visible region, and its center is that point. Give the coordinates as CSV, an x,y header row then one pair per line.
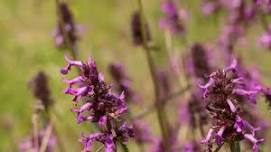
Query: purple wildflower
x,y
263,5
265,39
198,65
142,132
136,29
123,82
99,105
210,7
229,37
66,31
40,89
221,93
173,20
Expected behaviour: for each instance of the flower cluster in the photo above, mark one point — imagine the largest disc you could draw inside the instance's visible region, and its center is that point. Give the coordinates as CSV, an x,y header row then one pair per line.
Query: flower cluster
x,y
210,7
265,39
40,89
66,30
122,81
198,66
222,94
98,105
173,20
137,33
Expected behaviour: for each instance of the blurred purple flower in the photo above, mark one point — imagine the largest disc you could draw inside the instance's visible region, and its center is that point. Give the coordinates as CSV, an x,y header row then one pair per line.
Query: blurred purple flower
x,y
40,89
198,65
265,39
137,33
142,132
122,81
99,105
210,7
173,20
220,94
66,32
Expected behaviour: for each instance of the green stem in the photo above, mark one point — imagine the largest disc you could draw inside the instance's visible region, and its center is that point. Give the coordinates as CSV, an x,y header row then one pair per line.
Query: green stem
x,y
124,147
235,146
161,112
164,102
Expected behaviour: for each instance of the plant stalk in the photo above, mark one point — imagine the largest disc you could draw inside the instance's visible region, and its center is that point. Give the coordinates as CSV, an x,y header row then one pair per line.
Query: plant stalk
x,y
235,146
161,112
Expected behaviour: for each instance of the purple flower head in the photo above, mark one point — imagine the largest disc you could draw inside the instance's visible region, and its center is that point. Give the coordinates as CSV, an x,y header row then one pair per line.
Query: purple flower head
x,y
210,7
136,29
222,94
199,65
98,105
66,30
241,12
103,138
40,89
122,81
172,21
265,39
229,37
142,132
264,6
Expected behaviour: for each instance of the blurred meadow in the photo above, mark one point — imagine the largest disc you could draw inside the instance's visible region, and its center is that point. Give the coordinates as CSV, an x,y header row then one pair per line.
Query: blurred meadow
x,y
27,46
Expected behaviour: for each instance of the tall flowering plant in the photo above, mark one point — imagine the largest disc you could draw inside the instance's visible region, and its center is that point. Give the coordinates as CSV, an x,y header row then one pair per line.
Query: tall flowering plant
x,y
97,105
221,94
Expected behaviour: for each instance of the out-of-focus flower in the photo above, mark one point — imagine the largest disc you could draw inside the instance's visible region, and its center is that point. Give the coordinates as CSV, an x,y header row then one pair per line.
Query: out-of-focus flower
x,y
229,37
28,144
198,65
142,132
137,33
158,145
210,7
173,20
40,89
122,81
265,39
193,146
98,105
221,93
263,5
66,32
